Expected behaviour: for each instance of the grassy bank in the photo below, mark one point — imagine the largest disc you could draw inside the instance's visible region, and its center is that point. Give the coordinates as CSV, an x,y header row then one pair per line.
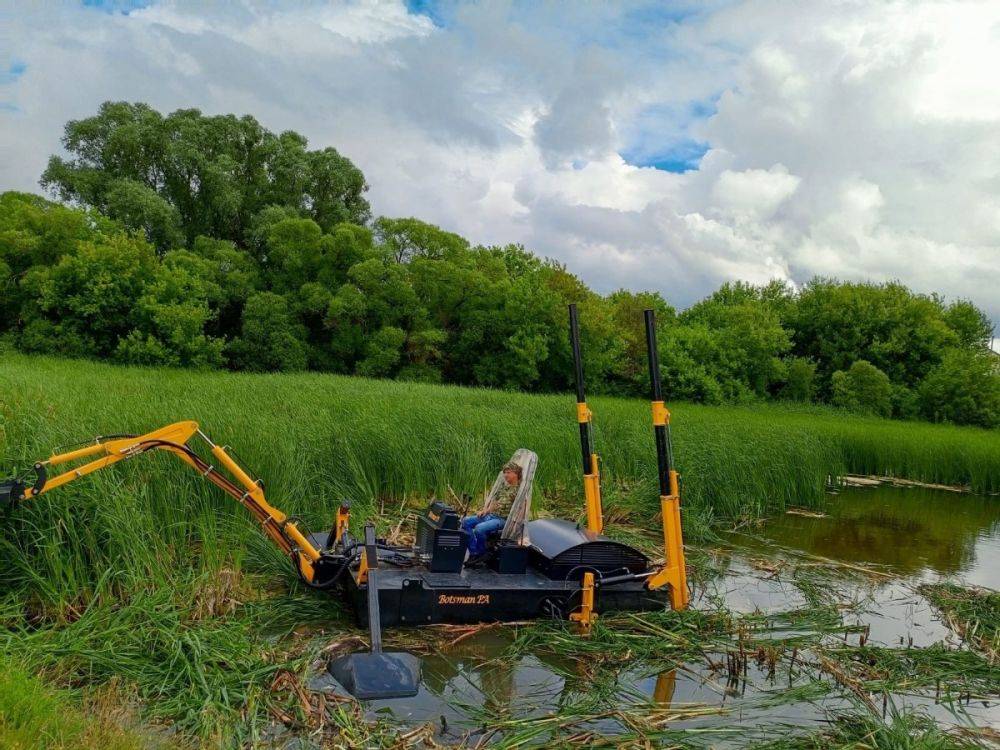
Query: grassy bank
x,y
36,717
145,574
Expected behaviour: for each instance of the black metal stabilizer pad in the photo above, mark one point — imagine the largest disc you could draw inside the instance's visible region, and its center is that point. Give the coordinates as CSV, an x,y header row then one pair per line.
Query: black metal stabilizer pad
x,y
377,676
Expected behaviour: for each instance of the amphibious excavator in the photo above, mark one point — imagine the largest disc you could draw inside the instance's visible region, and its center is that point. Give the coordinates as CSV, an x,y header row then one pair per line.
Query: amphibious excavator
x,y
534,568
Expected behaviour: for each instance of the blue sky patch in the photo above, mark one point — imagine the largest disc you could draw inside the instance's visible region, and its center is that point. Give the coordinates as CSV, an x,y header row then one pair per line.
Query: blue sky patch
x,y
432,9
658,15
14,71
681,156
665,136
117,6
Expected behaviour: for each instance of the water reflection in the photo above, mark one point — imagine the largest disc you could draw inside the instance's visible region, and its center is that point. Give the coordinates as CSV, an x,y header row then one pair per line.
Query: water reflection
x,y
909,529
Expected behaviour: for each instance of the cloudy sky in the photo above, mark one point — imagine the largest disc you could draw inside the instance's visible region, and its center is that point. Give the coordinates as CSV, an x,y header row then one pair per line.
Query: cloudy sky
x,y
670,146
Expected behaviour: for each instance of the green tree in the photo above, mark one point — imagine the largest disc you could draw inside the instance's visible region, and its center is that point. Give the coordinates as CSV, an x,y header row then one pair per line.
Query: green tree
x,y
970,324
86,302
406,239
629,374
423,354
38,232
139,206
207,176
170,318
905,402
800,379
463,295
964,389
35,234
383,353
683,352
345,318
270,339
740,343
296,250
862,388
901,333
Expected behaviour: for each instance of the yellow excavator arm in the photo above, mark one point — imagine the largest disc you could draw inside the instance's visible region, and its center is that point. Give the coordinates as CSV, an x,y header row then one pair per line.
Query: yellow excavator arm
x,y
174,438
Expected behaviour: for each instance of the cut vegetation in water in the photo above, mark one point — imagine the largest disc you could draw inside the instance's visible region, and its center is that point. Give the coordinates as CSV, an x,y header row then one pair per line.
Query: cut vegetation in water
x,y
973,613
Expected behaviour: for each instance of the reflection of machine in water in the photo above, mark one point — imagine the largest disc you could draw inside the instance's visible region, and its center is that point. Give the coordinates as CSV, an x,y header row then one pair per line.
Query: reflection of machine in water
x,y
663,692
481,670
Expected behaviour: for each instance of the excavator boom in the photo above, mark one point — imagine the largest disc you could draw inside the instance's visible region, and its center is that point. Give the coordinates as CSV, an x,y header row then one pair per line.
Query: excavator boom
x,y
174,439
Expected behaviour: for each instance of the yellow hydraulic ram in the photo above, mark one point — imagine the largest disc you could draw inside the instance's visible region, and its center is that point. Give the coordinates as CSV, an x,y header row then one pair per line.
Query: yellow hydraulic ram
x,y
107,451
591,472
673,572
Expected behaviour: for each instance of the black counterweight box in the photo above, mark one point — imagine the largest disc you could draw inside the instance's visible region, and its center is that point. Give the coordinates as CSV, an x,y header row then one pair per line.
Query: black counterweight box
x,y
509,558
441,539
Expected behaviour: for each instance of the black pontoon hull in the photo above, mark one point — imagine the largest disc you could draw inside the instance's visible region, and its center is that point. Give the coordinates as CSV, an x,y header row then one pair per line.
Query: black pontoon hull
x,y
415,596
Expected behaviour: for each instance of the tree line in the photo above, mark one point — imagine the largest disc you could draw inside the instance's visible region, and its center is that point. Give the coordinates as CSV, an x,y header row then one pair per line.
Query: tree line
x,y
196,241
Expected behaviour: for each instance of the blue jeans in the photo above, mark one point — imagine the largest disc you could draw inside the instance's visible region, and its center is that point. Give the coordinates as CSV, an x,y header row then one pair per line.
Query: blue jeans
x,y
479,529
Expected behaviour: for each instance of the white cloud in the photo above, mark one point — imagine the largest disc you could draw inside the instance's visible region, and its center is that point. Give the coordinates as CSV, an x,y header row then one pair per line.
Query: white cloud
x,y
849,139
754,193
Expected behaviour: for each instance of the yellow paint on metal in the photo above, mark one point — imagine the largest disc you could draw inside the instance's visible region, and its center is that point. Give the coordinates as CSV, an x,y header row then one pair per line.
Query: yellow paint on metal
x,y
170,438
256,492
666,683
674,570
661,415
585,615
592,496
342,524
114,450
361,576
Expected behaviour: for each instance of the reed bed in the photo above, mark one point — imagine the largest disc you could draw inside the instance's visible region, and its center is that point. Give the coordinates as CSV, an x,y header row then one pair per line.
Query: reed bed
x,y
317,439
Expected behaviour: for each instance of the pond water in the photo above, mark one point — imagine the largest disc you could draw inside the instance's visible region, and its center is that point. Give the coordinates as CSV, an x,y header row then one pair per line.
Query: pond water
x,y
911,530
866,554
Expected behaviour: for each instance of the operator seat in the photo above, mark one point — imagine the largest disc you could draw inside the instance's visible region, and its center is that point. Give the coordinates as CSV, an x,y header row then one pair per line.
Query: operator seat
x,y
515,530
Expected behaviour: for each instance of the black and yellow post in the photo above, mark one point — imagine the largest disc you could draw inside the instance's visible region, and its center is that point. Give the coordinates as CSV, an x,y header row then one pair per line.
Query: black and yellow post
x,y
674,572
585,615
591,473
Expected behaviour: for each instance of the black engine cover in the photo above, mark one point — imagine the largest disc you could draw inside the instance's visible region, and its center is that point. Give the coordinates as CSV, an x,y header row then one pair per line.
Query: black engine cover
x,y
562,550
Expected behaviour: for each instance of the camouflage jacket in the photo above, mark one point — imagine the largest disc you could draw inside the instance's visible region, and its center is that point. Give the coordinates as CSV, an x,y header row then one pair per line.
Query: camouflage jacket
x,y
503,500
